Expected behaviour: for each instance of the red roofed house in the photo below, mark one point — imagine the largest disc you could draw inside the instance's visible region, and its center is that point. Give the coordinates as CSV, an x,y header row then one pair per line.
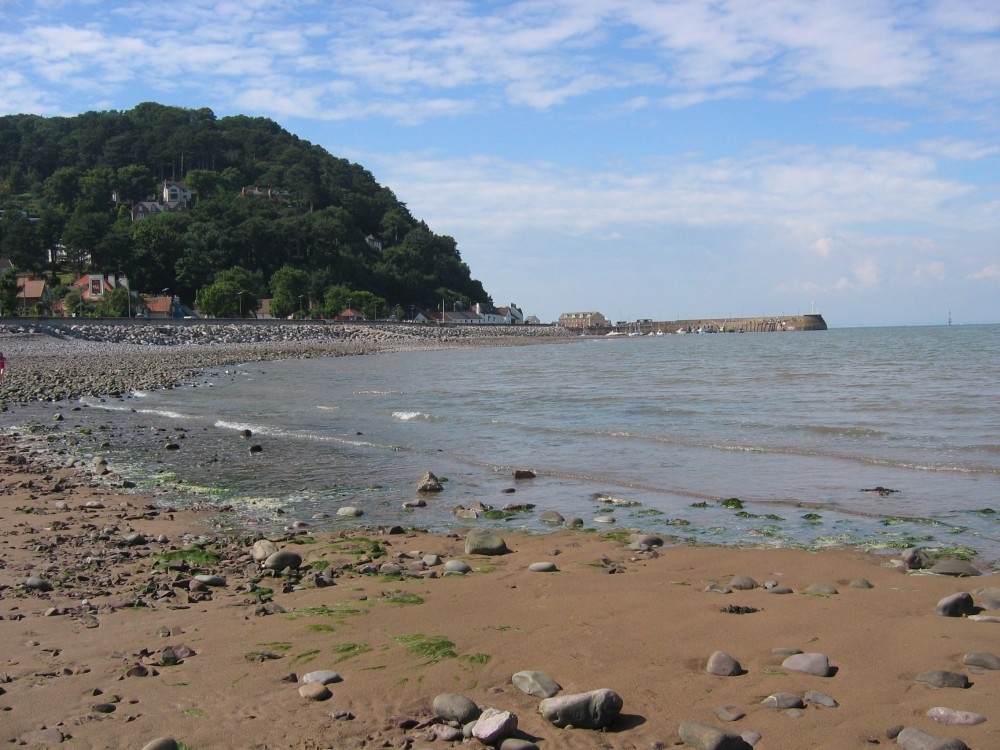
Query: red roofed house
x,y
30,292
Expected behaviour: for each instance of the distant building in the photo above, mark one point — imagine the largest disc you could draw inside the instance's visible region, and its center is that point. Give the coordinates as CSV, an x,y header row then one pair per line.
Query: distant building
x,y
352,315
581,320
176,191
144,209
30,292
374,242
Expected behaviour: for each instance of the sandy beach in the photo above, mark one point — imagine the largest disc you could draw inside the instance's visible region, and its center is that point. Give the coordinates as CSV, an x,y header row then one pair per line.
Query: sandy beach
x,y
131,621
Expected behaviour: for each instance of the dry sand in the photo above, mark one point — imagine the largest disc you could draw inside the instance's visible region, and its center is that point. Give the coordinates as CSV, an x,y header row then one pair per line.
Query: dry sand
x,y
639,623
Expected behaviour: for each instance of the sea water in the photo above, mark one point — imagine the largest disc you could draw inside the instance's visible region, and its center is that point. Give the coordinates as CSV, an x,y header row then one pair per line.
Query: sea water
x,y
878,437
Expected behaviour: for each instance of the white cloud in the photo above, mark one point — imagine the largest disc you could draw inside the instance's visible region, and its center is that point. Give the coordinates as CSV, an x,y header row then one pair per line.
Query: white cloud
x,y
991,271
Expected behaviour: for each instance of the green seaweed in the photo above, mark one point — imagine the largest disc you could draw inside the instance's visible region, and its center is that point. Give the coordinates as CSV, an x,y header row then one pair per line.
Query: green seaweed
x,y
401,597
733,503
347,651
305,657
191,555
433,648
702,504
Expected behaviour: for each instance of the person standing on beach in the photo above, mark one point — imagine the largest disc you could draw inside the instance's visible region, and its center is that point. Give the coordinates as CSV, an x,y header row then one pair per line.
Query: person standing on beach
x,y
3,366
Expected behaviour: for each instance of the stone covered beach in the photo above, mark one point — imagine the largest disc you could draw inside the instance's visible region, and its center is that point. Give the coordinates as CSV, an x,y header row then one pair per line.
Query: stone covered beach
x,y
135,621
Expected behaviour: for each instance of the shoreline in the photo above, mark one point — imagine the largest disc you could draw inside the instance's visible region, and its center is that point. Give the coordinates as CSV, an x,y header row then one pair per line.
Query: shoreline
x,y
64,360
127,619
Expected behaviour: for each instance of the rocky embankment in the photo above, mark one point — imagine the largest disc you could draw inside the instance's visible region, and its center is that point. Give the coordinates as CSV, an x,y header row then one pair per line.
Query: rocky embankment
x,y
56,361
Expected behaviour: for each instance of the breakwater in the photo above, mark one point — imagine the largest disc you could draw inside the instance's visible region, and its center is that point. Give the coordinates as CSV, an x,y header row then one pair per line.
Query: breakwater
x,y
764,324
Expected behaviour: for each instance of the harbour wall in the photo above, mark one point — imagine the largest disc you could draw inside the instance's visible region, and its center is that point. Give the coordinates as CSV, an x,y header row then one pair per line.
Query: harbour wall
x,y
764,324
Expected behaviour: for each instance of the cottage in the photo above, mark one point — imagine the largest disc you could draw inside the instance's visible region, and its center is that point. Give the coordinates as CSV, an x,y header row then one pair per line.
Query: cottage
x,y
582,320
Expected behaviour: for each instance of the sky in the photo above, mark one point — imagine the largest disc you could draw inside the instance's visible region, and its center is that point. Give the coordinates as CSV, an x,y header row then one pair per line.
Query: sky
x,y
658,159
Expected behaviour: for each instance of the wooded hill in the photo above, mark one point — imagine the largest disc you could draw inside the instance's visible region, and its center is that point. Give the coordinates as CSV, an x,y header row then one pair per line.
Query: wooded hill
x,y
265,202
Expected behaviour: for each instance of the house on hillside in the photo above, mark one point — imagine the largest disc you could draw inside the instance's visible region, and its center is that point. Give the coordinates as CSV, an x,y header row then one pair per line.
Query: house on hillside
x,y
144,209
374,242
30,292
351,315
93,286
176,191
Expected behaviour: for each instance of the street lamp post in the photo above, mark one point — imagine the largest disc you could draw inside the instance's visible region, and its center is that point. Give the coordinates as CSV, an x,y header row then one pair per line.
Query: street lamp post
x,y
300,305
240,295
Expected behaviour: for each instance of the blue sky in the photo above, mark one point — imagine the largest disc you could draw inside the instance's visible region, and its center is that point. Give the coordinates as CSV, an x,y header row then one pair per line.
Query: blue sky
x,y
647,159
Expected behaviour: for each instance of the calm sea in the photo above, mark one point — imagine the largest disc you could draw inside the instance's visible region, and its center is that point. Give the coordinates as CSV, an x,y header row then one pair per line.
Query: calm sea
x,y
653,432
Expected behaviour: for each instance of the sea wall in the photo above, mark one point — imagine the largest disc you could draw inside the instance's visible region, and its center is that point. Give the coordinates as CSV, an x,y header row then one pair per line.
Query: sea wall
x,y
769,324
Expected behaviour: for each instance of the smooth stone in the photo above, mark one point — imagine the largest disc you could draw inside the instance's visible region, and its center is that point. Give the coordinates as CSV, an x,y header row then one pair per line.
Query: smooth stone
x,y
717,588
861,583
483,542
780,590
984,618
955,567
161,743
315,691
820,699
516,743
648,540
706,737
37,583
783,700
596,709
551,516
989,603
418,503
322,676
283,559
134,539
350,510
942,678
988,592
911,738
729,713
956,605
263,549
431,561
821,588
574,522
535,683
50,736
751,737
916,558
982,659
722,664
457,566
447,733
743,583
794,713
816,664
543,567
390,569
605,519
950,716
455,707
494,725
210,580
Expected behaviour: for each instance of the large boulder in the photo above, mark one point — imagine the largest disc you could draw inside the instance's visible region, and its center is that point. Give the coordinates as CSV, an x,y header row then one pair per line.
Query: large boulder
x,y
281,560
429,483
707,737
455,707
535,683
594,710
483,542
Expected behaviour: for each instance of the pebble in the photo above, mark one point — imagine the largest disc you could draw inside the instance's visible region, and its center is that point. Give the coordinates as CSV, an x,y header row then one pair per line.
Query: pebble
x,y
942,679
743,583
954,567
350,511
982,659
543,567
956,605
815,664
943,715
315,691
455,707
911,738
210,580
783,700
820,699
457,567
552,517
729,713
483,542
594,710
706,737
535,683
722,664
824,589
494,725
161,743
37,583
283,559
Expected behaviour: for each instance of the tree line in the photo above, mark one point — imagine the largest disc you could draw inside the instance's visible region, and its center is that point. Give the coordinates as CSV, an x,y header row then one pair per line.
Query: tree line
x,y
272,216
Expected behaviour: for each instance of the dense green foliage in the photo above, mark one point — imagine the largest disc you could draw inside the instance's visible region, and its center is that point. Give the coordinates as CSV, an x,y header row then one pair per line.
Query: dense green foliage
x,y
282,210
